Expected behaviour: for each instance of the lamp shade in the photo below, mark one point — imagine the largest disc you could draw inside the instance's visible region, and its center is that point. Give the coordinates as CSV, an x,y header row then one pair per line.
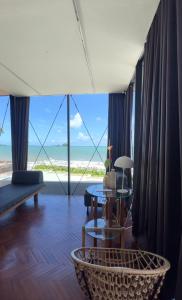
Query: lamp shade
x,y
124,162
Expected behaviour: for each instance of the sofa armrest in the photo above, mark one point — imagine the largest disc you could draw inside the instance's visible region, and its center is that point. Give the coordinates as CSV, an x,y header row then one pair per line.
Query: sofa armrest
x,y
27,177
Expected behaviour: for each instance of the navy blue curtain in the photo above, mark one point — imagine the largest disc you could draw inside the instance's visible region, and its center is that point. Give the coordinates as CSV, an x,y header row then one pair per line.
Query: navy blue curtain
x,y
137,143
157,214
119,123
19,108
179,65
128,106
116,124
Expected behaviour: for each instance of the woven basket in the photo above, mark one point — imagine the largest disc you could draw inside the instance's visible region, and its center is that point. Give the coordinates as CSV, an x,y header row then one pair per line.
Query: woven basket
x,y
106,273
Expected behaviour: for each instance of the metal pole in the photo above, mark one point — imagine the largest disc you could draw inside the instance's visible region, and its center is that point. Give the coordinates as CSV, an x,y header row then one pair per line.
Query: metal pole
x,y
68,141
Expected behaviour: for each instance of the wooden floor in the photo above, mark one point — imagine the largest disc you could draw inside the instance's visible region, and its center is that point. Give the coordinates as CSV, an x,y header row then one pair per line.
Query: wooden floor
x,y
35,246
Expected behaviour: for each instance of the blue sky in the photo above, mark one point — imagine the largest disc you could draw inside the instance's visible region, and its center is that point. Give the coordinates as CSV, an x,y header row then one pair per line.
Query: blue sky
x,y
92,110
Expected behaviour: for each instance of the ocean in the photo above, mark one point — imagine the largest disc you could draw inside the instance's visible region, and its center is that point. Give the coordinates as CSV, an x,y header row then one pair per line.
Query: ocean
x,y
78,153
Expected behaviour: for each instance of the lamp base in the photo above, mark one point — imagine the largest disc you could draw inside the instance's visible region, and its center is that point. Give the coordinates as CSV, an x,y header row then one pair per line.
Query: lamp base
x,y
122,191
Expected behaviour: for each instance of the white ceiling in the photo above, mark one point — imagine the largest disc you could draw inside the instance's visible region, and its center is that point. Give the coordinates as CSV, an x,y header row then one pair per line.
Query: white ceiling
x,y
46,50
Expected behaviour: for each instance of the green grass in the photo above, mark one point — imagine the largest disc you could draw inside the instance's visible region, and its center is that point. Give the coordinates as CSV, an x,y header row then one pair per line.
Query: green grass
x,y
76,171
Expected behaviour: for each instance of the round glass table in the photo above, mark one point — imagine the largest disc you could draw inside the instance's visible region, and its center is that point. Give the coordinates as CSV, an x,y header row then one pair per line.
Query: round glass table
x,y
102,193
104,228
98,229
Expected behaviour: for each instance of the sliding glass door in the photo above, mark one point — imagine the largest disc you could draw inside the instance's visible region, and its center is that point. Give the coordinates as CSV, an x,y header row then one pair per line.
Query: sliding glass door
x,y
5,139
88,125
48,138
68,139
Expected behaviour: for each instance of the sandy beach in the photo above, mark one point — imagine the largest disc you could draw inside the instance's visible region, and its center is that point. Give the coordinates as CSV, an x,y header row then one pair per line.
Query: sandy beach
x,y
74,164
6,170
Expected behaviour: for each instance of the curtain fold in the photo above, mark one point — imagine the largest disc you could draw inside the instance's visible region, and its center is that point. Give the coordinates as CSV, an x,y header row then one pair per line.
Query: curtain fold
x,y
116,124
157,194
128,105
179,64
137,142
119,123
19,108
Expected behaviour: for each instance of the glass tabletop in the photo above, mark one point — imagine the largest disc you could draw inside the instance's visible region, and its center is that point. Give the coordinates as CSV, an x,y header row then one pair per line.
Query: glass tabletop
x,y
100,232
98,190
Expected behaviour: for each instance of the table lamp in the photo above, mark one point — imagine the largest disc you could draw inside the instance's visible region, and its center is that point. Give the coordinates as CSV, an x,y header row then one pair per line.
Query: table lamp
x,y
123,162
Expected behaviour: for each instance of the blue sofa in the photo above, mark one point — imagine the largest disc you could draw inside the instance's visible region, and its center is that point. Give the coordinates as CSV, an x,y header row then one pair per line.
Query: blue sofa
x,y
24,184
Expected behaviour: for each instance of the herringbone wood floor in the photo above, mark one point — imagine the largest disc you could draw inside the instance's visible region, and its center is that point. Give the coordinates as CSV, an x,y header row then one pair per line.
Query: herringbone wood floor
x,y
35,246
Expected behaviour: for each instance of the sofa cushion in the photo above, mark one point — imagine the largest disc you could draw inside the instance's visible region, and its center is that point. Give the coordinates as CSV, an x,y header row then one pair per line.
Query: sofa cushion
x,y
27,177
12,194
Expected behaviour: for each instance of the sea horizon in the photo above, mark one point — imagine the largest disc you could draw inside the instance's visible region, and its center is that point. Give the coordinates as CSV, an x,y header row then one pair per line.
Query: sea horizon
x,y
58,152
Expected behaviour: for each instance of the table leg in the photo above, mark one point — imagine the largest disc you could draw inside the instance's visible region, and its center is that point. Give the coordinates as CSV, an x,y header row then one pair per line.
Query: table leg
x,y
92,207
122,239
122,215
118,212
122,212
110,213
95,208
95,242
108,243
95,218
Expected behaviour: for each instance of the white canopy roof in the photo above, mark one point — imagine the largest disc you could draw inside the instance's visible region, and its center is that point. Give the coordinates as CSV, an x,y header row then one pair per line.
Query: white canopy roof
x,y
71,46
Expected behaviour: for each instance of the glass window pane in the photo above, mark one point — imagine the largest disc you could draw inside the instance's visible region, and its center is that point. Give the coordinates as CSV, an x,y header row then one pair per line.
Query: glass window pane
x,y
47,137
89,119
5,139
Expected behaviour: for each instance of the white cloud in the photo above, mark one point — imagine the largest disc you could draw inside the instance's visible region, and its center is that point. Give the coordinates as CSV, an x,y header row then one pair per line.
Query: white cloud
x,y
83,137
76,121
98,119
59,129
105,137
47,110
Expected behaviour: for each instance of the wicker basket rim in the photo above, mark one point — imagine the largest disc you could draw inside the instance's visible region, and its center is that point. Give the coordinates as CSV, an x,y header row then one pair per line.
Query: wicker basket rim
x,y
161,270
